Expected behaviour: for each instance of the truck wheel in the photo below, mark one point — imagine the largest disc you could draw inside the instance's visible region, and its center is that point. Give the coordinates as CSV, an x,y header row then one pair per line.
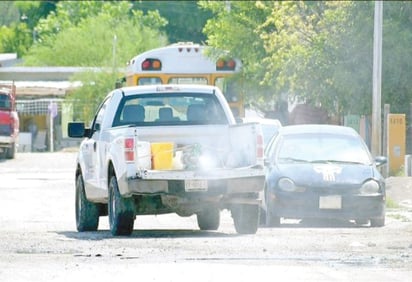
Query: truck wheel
x,y
10,152
121,211
87,213
208,219
246,218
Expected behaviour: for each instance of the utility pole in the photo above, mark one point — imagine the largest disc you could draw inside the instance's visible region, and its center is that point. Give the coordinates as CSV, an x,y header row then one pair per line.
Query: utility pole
x,y
114,51
377,78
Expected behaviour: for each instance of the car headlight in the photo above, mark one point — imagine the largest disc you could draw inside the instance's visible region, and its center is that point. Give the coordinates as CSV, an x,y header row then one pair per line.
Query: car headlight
x,y
286,184
370,187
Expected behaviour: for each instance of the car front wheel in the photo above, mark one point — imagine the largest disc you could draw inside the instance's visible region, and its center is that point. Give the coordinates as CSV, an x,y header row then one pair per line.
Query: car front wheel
x,y
271,219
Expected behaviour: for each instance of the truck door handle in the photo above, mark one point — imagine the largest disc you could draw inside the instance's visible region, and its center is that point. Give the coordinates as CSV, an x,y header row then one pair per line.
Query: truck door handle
x,y
94,146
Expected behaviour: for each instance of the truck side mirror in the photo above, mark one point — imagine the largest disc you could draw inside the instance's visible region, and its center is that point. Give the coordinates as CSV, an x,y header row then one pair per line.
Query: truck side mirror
x,y
239,120
76,130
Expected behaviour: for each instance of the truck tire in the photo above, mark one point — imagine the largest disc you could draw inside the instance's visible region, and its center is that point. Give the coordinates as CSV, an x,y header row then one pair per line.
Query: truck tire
x,y
121,211
87,213
10,152
208,219
246,218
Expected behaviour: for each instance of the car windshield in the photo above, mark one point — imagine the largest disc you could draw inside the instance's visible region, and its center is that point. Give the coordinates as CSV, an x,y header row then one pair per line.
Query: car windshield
x,y
268,131
322,148
170,109
5,102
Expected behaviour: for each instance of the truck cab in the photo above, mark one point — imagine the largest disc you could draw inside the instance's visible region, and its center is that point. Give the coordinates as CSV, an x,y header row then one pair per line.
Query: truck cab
x,y
9,121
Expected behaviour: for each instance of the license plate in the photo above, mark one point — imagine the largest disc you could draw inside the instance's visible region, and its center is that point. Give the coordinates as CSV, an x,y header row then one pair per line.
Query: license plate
x,y
195,185
330,202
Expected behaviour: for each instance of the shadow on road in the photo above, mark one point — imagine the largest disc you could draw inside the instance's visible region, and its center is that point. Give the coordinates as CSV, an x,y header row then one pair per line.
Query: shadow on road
x,y
320,223
144,234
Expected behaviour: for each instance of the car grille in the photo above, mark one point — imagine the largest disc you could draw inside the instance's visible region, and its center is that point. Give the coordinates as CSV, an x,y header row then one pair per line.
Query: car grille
x,y
5,129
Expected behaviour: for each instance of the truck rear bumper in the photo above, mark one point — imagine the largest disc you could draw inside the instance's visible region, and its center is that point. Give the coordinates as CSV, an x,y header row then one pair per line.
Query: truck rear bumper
x,y
219,182
6,141
229,173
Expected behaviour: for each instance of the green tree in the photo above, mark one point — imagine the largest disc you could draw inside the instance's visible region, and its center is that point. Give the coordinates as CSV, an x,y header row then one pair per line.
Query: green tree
x,y
320,51
9,13
185,18
304,50
397,55
109,36
17,24
15,39
234,27
320,56
89,41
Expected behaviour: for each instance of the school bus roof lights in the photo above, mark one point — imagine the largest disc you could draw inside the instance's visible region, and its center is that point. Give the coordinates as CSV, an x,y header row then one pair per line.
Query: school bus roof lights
x,y
223,64
152,64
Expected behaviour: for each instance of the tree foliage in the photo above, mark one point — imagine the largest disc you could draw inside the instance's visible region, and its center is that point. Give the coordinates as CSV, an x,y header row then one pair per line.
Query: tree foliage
x,y
397,55
318,51
185,18
68,38
9,13
15,38
94,34
234,28
17,24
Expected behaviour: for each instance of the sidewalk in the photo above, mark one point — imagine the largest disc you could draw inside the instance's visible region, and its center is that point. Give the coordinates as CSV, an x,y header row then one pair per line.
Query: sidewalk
x,y
399,190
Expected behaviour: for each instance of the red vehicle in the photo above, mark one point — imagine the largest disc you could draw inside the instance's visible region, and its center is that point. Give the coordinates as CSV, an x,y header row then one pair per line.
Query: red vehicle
x,y
9,121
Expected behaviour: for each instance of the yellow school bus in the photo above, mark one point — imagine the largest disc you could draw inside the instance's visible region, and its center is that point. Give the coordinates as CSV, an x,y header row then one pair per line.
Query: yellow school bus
x,y
188,63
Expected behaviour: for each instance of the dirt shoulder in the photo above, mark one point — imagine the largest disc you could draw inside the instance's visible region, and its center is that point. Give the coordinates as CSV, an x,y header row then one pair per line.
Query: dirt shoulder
x,y
399,190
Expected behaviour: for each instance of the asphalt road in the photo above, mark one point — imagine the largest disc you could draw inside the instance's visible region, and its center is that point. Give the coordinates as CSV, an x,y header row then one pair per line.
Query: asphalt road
x,y
39,242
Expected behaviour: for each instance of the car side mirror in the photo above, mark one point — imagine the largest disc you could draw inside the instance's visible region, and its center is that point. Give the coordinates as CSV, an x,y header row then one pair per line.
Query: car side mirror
x,y
266,162
380,160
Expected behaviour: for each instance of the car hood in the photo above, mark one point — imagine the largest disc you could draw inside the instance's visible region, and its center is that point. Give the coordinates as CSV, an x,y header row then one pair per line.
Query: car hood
x,y
318,174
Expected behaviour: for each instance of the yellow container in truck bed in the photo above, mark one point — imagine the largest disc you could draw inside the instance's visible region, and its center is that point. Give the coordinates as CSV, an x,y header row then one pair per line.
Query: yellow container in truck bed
x,y
162,155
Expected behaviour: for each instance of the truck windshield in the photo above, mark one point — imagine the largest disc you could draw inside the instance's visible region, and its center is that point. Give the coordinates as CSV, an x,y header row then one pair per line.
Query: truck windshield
x,y
5,102
170,109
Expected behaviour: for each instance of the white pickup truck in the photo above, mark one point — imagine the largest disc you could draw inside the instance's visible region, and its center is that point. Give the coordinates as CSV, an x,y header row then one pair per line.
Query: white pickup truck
x,y
167,149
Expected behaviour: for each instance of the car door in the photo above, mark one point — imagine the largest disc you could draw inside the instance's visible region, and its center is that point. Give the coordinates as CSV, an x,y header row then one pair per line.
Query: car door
x,y
93,159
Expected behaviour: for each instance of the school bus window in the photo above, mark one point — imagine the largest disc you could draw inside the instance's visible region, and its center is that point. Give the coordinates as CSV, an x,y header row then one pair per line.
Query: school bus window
x,y
229,89
149,80
219,82
232,93
188,80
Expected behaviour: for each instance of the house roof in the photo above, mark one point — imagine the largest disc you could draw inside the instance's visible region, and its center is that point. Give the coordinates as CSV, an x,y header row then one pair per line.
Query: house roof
x,y
42,73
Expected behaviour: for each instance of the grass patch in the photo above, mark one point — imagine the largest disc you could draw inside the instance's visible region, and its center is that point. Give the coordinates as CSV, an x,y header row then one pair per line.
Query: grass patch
x,y
391,204
399,217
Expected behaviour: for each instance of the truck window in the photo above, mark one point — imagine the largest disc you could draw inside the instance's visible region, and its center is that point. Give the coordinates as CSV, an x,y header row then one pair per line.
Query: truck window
x,y
170,109
97,122
5,102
